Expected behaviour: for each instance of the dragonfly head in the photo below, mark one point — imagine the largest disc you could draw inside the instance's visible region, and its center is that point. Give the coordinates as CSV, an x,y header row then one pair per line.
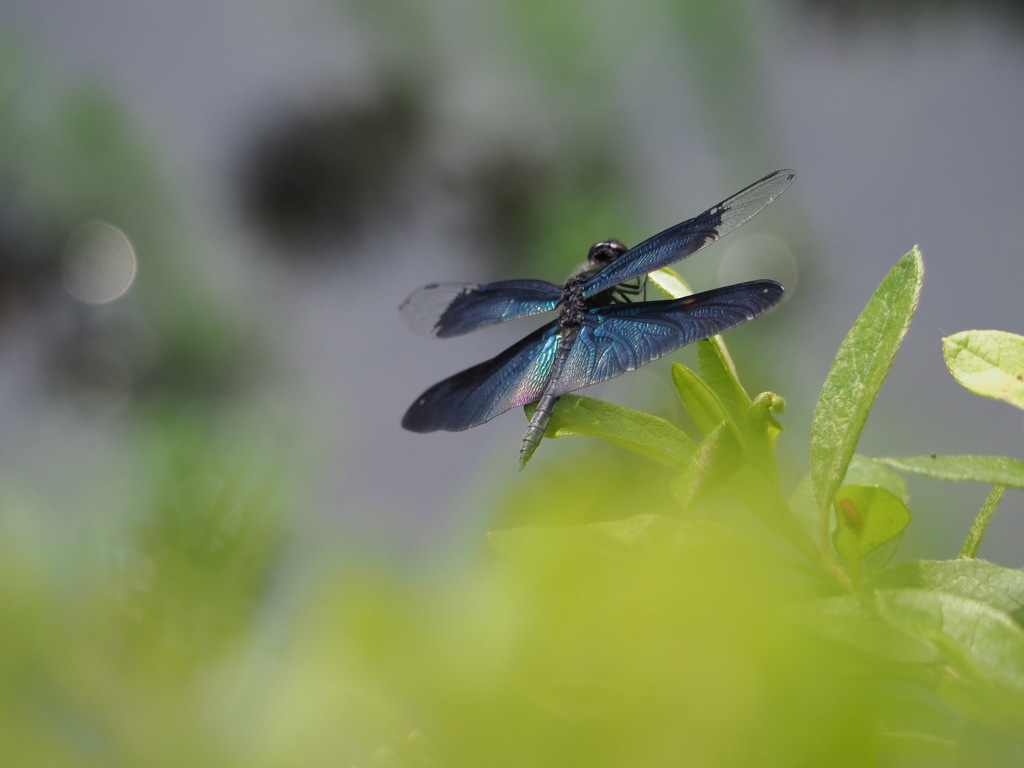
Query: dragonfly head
x,y
603,254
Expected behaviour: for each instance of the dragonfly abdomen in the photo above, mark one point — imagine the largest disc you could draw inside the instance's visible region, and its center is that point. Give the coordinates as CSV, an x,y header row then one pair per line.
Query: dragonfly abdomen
x,y
535,432
546,404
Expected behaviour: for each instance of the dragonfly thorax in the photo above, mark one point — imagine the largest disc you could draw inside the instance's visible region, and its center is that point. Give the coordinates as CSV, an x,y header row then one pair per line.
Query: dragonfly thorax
x,y
573,303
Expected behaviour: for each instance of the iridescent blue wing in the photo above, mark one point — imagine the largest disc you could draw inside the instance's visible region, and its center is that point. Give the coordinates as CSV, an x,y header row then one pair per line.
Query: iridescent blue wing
x,y
687,238
452,309
515,377
621,337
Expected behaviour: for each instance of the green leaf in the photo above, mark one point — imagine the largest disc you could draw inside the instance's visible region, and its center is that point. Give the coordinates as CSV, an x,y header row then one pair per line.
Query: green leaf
x,y
761,428
716,365
703,405
854,620
867,517
988,363
716,459
670,283
998,587
997,470
642,433
864,471
979,641
719,372
860,367
1000,708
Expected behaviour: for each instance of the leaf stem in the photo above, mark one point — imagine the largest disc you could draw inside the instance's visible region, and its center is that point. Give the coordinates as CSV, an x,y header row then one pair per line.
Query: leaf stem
x,y
980,524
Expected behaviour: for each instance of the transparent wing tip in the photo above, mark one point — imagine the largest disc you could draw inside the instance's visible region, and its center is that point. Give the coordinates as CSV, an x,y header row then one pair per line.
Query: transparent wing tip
x,y
423,309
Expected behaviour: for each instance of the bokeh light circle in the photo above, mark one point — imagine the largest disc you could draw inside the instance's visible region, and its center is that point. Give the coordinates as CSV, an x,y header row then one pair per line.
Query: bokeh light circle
x,y
98,263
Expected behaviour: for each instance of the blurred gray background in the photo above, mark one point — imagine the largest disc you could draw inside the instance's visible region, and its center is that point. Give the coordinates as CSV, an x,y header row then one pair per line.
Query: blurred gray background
x,y
286,173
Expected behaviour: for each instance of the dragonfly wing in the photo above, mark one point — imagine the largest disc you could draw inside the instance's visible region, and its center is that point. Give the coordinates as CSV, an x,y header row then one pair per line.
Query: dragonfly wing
x,y
685,239
452,309
515,377
621,337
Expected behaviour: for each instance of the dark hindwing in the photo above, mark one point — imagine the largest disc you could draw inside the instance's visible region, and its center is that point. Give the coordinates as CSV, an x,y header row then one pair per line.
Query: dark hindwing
x,y
515,377
688,237
452,309
622,337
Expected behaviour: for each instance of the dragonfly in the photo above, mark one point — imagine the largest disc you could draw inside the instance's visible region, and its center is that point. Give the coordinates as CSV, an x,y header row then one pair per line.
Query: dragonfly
x,y
601,331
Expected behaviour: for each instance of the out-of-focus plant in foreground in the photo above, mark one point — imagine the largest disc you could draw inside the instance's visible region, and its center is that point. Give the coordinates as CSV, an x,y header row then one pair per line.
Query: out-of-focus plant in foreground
x,y
694,613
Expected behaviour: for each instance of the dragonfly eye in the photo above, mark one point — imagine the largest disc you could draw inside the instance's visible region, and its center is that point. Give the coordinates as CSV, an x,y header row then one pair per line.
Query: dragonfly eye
x,y
603,254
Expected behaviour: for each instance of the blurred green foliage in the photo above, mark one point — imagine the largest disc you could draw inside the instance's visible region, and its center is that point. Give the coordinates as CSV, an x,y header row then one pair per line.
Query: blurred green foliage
x,y
126,627
652,625
595,643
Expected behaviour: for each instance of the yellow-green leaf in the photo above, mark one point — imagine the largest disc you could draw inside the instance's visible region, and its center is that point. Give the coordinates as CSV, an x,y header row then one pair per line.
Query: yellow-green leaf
x,y
988,363
867,517
670,283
